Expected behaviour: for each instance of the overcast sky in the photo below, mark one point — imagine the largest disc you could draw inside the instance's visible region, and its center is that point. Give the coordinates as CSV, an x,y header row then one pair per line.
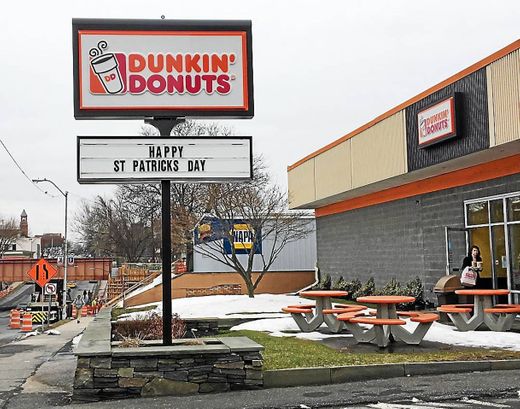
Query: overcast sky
x,y
321,69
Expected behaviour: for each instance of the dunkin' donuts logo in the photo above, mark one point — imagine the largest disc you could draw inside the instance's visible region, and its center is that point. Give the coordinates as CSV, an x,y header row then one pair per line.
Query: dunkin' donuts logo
x,y
158,73
437,122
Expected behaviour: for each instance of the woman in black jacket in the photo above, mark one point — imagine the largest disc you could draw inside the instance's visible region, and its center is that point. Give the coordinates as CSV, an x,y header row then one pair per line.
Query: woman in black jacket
x,y
472,257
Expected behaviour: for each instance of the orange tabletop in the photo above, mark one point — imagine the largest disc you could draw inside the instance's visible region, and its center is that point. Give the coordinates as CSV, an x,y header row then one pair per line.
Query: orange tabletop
x,y
385,299
482,292
323,293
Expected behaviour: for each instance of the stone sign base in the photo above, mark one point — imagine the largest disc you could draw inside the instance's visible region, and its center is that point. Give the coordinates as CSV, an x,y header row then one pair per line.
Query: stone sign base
x,y
105,371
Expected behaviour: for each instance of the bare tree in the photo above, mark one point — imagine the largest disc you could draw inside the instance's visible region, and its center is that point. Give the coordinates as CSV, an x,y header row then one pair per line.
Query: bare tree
x,y
189,201
246,218
9,231
114,226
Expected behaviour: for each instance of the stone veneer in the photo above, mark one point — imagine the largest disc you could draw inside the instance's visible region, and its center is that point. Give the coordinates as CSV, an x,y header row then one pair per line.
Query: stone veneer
x,y
105,371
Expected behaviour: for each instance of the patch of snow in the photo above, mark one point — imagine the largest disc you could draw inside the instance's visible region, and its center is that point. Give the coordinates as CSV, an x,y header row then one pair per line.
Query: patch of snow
x,y
483,339
52,332
229,306
30,334
267,308
76,339
155,282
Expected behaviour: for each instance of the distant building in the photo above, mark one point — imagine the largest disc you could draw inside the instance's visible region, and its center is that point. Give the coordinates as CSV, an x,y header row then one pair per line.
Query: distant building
x,y
52,244
24,246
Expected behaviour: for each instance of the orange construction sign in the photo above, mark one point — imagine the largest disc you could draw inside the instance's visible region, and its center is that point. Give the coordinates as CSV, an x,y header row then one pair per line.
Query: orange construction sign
x,y
42,272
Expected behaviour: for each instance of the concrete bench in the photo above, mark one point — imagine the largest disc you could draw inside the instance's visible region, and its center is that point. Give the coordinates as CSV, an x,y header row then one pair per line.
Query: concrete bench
x,y
425,318
296,310
302,306
400,313
454,309
345,309
503,310
378,321
379,332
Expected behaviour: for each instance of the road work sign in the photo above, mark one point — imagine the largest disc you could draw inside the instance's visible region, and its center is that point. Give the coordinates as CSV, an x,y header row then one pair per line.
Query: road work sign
x,y
42,272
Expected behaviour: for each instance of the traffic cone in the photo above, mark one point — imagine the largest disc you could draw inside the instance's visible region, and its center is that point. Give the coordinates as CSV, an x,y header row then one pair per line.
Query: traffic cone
x,y
14,319
84,311
27,322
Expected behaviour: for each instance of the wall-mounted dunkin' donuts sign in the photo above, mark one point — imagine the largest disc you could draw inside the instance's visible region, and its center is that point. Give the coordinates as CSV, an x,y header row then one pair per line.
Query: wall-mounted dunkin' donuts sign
x,y
162,68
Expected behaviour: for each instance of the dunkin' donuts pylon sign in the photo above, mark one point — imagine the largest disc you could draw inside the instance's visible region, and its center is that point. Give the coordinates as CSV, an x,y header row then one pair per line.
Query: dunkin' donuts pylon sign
x,y
165,68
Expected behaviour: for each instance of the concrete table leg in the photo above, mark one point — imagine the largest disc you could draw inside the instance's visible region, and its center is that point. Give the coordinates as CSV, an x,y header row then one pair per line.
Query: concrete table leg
x,y
360,334
412,338
305,324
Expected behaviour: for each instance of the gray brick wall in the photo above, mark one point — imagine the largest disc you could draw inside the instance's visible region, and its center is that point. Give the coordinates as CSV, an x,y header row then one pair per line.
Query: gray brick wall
x,y
402,239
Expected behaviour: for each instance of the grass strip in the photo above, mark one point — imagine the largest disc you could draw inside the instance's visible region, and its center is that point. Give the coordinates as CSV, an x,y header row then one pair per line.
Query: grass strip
x,y
290,352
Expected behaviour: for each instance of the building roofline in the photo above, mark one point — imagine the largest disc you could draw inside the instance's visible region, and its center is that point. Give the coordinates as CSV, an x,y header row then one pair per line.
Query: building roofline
x,y
464,73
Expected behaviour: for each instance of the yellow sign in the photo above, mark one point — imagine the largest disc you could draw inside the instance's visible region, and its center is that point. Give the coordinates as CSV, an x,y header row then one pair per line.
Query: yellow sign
x,y
243,236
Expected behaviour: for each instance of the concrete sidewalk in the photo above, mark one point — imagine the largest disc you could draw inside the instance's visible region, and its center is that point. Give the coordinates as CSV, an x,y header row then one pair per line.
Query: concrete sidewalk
x,y
33,366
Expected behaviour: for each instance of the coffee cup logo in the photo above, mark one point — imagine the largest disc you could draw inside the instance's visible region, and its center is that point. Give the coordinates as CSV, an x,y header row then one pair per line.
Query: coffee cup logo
x,y
106,67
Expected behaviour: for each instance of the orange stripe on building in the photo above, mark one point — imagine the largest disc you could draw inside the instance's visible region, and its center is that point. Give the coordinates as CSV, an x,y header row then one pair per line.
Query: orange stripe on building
x,y
480,173
464,73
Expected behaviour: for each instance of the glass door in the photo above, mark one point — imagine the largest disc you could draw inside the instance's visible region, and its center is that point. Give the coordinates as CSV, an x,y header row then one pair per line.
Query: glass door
x,y
513,238
457,242
498,240
494,226
480,237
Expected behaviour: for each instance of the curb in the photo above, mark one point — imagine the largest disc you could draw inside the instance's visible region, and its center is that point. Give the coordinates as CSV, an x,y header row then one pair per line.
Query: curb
x,y
341,374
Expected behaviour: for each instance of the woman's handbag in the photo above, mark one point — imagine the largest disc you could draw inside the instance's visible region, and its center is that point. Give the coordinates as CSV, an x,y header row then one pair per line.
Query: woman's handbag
x,y
468,277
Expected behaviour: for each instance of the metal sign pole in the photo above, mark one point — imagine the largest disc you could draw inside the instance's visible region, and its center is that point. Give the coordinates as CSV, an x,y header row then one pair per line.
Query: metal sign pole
x,y
165,127
49,312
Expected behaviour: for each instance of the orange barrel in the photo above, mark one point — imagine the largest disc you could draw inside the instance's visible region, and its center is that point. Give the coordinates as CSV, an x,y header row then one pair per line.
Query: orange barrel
x,y
14,319
90,310
84,311
27,322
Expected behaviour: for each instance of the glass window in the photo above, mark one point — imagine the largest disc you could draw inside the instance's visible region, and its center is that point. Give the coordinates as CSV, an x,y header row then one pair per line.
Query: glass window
x,y
497,211
514,251
477,213
513,209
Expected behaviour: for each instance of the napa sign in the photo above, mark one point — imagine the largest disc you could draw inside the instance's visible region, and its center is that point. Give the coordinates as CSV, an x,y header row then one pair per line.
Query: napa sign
x,y
244,237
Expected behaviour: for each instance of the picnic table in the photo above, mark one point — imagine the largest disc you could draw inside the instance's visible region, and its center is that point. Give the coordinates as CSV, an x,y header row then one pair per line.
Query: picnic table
x,y
387,323
468,317
310,317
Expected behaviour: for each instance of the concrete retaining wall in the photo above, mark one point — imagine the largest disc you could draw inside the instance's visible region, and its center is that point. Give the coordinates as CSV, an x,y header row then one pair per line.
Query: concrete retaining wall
x,y
105,371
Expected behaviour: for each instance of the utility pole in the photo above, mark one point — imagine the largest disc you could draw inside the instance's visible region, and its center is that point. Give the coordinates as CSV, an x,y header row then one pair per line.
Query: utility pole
x,y
65,247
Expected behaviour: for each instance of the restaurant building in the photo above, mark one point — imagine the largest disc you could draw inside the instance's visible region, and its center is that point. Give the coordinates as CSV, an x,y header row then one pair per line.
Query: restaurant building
x,y
406,194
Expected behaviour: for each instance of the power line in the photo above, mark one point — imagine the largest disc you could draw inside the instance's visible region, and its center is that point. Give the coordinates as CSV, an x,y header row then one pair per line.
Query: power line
x,y
23,172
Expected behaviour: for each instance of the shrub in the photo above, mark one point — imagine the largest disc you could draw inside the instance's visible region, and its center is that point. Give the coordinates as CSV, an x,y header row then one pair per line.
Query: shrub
x,y
353,287
339,284
393,287
368,289
150,327
325,282
415,288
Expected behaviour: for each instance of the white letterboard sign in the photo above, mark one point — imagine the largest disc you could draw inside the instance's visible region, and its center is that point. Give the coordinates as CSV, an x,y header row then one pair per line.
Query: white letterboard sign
x,y
143,159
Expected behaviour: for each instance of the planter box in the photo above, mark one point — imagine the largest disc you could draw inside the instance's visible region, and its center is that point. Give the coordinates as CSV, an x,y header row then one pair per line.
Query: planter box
x,y
106,371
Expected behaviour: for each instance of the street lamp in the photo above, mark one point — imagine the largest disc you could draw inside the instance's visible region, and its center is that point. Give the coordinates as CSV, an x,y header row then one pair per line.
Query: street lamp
x,y
65,250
